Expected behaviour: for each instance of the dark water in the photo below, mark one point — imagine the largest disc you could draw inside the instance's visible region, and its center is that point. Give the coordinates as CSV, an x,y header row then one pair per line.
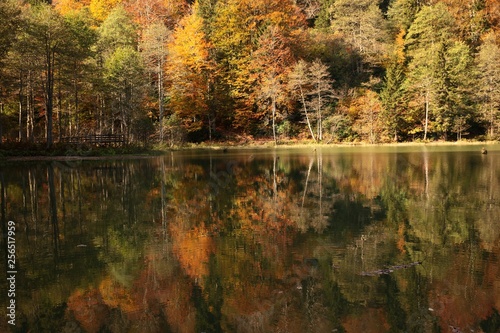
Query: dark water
x,y
333,240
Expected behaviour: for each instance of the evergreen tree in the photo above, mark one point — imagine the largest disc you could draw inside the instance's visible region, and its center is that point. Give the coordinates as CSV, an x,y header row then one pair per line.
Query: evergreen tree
x,y
427,41
488,62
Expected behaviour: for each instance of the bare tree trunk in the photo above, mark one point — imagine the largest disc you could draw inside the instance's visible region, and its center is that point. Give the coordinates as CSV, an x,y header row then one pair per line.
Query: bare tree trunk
x,y
160,97
20,100
305,111
274,118
320,120
49,96
426,125
59,110
30,109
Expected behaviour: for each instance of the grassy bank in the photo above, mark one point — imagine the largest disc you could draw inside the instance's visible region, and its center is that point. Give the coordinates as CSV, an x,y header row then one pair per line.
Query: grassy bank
x,y
27,151
220,145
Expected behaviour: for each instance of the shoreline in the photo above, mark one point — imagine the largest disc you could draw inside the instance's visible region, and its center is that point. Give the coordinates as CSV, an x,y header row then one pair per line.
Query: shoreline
x,y
230,146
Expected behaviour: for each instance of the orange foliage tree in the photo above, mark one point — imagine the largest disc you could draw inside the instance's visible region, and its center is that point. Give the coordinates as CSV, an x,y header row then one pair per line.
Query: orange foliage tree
x,y
189,70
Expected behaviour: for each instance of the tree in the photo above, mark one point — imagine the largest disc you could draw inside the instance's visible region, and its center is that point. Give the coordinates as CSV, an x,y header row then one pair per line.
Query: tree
x,y
65,7
488,62
10,19
117,30
147,12
299,84
361,24
461,79
189,71
77,66
154,51
392,94
321,92
427,40
271,62
100,9
49,38
402,13
368,107
124,74
116,49
236,35
471,19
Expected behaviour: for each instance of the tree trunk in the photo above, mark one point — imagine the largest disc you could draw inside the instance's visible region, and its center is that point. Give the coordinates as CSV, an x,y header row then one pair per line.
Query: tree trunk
x,y
59,110
49,96
426,125
320,121
307,116
160,97
274,118
77,119
20,100
30,110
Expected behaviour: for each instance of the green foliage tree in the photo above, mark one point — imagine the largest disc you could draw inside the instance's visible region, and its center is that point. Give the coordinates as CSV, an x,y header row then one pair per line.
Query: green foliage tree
x,y
488,61
124,74
119,77
363,27
428,41
73,88
393,92
50,39
117,30
10,20
402,13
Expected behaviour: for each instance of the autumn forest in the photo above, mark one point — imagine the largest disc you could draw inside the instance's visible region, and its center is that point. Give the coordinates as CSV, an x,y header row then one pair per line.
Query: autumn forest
x,y
175,71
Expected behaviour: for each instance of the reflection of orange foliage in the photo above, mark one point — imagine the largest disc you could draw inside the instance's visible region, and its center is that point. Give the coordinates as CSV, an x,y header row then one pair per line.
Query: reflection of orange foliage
x,y
88,309
249,298
193,249
458,300
174,294
370,321
116,296
162,291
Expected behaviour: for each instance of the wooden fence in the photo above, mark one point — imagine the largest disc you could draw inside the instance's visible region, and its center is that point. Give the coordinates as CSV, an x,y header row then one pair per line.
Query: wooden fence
x,y
95,139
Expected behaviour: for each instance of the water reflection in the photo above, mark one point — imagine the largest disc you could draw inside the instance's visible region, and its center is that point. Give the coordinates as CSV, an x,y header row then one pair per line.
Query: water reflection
x,y
257,241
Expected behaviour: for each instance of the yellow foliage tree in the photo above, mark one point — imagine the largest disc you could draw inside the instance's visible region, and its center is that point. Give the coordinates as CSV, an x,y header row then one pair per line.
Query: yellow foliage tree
x,y
100,9
189,70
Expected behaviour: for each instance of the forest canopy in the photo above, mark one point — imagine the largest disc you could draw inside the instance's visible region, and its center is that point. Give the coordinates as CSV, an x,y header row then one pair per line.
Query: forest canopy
x,y
174,71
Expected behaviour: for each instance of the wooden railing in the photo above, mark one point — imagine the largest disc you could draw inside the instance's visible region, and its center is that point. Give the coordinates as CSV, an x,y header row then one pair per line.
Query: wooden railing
x,y
95,139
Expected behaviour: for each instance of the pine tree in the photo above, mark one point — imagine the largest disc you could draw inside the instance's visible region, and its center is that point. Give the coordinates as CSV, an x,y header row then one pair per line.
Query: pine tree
x,y
488,62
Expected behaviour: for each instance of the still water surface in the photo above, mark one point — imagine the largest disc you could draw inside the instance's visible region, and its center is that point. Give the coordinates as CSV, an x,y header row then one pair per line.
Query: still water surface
x,y
388,239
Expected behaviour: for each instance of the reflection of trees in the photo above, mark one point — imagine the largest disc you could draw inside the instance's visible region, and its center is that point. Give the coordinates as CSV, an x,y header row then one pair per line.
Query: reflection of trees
x,y
268,243
71,222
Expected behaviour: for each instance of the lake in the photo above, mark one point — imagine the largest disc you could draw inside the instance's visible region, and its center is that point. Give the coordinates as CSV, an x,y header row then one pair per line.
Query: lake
x,y
340,239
